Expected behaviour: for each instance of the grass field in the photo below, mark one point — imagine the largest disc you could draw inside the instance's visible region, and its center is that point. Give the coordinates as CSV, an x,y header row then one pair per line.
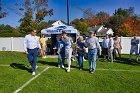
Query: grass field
x,y
119,77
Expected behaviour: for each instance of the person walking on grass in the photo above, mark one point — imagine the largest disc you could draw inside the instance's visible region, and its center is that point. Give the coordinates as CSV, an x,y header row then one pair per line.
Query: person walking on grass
x,y
80,51
43,46
93,45
105,46
31,46
110,48
68,49
61,53
117,47
134,48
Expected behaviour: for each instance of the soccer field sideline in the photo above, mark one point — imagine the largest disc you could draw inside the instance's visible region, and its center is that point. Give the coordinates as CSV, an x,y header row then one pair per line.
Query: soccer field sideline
x,y
99,69
54,67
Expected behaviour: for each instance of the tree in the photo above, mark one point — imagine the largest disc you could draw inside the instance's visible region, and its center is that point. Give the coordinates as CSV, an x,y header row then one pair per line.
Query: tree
x,y
88,13
130,26
43,25
116,21
7,29
103,18
31,8
124,30
80,25
125,12
2,12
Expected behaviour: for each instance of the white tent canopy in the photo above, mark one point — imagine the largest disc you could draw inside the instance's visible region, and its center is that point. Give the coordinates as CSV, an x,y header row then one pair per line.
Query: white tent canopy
x,y
58,27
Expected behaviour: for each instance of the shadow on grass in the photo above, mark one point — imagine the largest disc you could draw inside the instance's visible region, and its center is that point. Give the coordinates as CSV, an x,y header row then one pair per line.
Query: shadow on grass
x,y
125,61
48,63
121,61
20,66
54,64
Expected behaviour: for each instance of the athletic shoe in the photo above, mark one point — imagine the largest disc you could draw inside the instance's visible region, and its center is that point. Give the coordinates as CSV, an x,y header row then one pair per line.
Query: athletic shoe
x,y
44,57
129,60
90,69
80,69
36,66
68,69
137,60
33,73
58,66
93,71
63,66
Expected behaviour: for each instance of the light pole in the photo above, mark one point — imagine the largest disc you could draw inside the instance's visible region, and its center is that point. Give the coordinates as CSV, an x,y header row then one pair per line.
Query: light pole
x,y
67,12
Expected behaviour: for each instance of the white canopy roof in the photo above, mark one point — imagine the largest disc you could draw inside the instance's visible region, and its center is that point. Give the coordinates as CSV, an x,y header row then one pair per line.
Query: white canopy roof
x,y
58,27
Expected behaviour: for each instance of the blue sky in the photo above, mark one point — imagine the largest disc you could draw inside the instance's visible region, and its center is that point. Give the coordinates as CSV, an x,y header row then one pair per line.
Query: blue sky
x,y
59,7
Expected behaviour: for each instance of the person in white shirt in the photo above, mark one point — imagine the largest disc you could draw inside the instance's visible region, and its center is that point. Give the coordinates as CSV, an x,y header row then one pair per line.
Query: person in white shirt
x,y
31,46
105,46
134,48
110,47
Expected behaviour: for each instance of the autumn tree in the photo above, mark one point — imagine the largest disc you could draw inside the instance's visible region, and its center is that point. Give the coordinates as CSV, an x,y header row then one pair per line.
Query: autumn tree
x,y
129,26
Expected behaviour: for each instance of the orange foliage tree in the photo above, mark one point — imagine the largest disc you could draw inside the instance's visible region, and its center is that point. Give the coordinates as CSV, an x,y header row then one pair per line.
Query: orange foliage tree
x,y
129,27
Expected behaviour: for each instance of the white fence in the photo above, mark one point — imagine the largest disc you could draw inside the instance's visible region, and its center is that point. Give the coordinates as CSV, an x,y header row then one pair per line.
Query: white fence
x,y
12,44
16,44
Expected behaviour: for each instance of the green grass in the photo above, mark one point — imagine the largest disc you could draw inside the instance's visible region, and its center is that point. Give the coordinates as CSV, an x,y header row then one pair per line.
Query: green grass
x,y
56,80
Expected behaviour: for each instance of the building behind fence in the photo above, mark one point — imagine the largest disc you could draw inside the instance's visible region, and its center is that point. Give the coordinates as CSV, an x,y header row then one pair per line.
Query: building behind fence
x,y
16,44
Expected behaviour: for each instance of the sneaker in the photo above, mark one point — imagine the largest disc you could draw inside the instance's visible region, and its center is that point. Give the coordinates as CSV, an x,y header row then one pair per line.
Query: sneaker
x,y
68,69
58,66
45,57
92,71
80,69
63,66
137,60
129,60
36,66
33,73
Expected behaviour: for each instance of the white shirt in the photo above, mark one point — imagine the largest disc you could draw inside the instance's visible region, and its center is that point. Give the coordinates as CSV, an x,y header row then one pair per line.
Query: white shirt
x,y
111,43
105,42
31,42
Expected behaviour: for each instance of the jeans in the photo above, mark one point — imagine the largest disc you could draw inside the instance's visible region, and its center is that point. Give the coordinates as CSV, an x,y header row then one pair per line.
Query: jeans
x,y
92,58
61,58
32,57
80,59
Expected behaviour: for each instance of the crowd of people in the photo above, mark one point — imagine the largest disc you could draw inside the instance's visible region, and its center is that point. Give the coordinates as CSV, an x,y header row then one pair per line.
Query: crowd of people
x,y
110,48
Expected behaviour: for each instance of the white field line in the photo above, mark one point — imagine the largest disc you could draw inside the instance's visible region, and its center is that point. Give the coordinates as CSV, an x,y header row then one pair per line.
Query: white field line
x,y
28,82
4,65
119,70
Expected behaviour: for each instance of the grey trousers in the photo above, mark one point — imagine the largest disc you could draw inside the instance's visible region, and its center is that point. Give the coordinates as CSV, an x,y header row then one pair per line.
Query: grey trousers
x,y
110,54
117,51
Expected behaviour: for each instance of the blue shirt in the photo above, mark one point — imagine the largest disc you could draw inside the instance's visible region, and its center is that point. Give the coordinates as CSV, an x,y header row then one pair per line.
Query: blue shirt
x,y
134,42
95,43
81,45
61,46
